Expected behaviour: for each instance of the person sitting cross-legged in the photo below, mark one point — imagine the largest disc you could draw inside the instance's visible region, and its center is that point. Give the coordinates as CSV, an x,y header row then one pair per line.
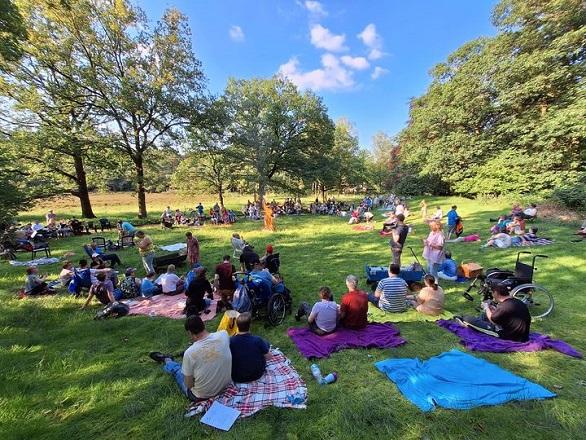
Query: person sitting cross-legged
x,y
354,305
430,299
323,316
249,352
448,269
390,294
509,319
103,290
206,369
170,283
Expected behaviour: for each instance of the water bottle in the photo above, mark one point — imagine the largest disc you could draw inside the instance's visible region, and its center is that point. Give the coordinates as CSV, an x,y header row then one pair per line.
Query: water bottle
x,y
315,371
330,378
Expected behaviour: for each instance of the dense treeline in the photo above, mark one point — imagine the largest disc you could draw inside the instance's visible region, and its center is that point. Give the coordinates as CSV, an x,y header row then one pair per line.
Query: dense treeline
x,y
507,114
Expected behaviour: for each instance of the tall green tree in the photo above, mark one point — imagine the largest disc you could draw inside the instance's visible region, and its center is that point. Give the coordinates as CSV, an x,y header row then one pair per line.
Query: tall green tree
x,y
275,131
12,31
144,83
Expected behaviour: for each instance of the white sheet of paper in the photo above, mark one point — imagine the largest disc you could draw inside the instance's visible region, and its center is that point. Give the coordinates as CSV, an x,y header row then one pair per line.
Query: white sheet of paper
x,y
220,416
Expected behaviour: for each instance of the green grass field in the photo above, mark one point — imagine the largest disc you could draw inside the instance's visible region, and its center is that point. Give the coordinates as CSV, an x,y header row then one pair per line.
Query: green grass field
x,y
66,376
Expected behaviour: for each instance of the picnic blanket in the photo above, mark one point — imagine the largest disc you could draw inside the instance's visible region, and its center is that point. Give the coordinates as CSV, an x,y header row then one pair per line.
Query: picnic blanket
x,y
173,247
363,227
36,262
476,341
458,380
532,241
280,386
376,335
377,315
167,306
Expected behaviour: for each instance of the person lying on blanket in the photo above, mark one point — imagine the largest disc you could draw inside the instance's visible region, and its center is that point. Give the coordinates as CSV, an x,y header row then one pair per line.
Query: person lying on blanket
x,y
206,369
249,353
510,319
354,305
430,299
323,316
390,294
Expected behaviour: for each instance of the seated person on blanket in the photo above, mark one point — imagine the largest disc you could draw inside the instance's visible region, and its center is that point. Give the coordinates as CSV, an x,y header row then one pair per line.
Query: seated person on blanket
x,y
323,316
103,290
130,285
530,212
148,287
35,284
99,254
390,294
354,305
249,352
500,240
196,291
170,283
430,299
207,364
448,269
517,226
510,319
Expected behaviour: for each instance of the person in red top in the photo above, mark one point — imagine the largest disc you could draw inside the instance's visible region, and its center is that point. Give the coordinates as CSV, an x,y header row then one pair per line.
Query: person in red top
x,y
354,305
224,282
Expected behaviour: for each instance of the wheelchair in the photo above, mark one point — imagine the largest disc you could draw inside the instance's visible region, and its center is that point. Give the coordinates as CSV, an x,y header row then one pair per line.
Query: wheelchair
x,y
519,282
270,303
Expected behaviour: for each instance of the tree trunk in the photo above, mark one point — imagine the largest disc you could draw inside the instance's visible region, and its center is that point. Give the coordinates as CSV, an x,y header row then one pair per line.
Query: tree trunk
x,y
323,193
261,190
82,190
221,195
140,191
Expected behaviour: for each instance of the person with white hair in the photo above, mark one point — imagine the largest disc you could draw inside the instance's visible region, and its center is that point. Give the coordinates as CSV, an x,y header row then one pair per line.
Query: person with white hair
x,y
354,305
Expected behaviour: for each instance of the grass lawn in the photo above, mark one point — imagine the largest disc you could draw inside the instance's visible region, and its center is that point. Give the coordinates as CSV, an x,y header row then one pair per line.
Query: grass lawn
x,y
65,376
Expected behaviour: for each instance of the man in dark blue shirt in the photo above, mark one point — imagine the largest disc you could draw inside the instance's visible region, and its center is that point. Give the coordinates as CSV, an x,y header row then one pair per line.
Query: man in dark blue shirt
x,y
249,352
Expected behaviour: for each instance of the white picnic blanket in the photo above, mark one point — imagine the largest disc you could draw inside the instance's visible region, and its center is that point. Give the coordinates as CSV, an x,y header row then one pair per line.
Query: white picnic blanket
x,y
37,262
173,247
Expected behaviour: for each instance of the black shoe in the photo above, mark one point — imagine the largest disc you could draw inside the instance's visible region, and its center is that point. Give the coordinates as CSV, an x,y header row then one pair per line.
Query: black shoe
x,y
297,317
159,357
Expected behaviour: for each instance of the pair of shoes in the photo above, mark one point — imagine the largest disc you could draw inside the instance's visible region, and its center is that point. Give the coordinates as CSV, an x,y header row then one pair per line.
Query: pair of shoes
x,y
159,357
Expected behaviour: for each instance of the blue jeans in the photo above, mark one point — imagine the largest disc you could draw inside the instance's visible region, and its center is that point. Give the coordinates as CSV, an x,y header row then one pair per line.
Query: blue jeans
x,y
174,369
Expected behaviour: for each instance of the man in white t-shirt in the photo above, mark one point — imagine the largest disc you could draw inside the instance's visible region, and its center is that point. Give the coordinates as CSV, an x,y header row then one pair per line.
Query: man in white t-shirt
x,y
170,283
207,364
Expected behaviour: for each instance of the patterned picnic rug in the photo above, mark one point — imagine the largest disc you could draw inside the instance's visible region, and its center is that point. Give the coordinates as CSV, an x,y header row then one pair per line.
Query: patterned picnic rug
x,y
164,305
280,386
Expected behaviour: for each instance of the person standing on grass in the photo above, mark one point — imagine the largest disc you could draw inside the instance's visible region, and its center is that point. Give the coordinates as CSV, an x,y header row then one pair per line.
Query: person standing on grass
x,y
192,249
146,250
391,293
354,305
452,221
224,282
249,353
398,237
433,247
206,369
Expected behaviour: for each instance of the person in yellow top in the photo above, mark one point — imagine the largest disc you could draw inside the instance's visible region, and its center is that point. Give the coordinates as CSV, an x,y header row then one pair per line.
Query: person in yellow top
x,y
430,299
146,249
423,206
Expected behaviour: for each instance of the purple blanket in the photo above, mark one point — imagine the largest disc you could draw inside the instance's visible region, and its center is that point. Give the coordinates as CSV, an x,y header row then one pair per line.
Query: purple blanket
x,y
373,336
477,341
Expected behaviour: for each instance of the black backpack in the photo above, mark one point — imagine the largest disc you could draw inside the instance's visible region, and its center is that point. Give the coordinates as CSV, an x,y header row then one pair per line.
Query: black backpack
x,y
113,310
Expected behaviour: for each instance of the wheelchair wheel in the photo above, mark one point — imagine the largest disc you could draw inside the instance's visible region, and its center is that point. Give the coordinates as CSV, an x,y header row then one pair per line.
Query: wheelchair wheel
x,y
276,309
538,300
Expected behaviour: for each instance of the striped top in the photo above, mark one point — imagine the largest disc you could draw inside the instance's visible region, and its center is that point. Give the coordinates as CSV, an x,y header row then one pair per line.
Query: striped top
x,y
394,291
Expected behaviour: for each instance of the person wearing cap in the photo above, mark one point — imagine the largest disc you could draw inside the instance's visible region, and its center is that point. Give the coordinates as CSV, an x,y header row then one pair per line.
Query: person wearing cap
x,y
130,285
170,283
270,260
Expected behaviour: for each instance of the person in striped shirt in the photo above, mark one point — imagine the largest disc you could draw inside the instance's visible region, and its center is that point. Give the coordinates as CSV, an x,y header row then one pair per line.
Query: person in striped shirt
x,y
390,294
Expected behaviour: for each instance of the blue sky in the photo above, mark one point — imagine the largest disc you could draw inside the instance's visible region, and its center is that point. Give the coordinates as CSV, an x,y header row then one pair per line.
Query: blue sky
x,y
365,58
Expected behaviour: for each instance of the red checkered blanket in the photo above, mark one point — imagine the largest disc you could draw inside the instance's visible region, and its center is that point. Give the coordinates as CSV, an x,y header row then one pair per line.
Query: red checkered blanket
x,y
280,386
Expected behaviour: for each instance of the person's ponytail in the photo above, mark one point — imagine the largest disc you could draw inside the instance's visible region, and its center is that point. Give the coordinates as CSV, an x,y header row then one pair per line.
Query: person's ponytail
x,y
430,280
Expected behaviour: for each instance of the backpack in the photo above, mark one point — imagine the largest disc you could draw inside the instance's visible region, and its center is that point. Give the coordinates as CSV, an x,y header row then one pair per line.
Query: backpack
x,y
113,310
241,302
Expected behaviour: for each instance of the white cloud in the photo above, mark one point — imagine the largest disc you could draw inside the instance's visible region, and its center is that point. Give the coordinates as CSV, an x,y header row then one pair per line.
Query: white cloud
x,y
331,76
236,33
378,72
357,63
375,54
322,38
315,8
373,41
